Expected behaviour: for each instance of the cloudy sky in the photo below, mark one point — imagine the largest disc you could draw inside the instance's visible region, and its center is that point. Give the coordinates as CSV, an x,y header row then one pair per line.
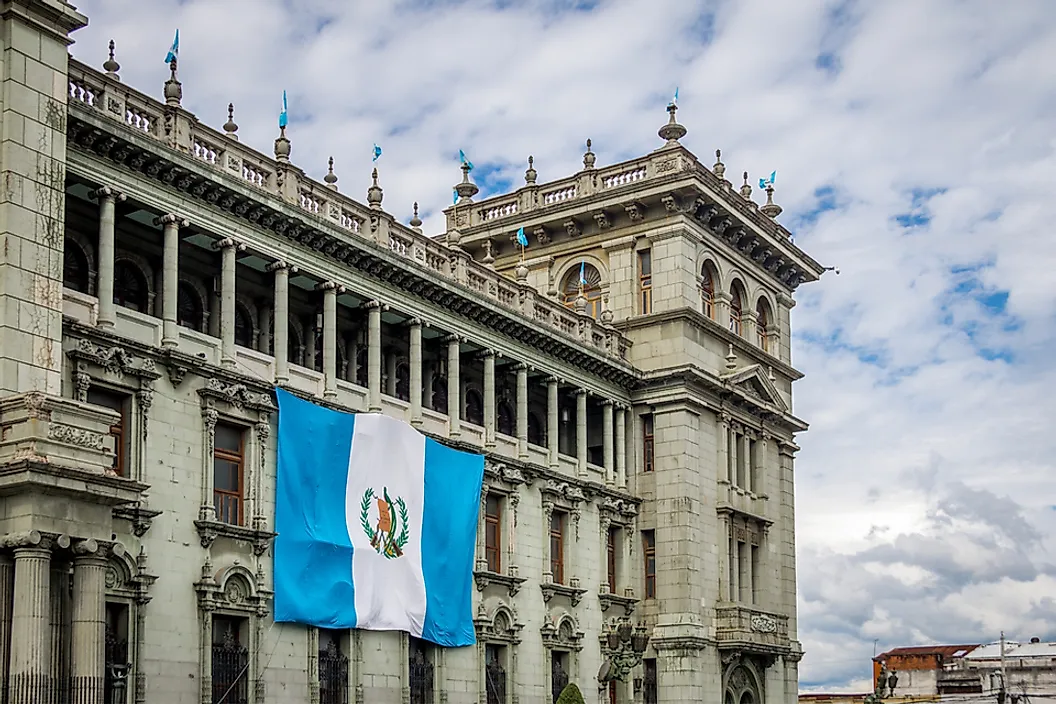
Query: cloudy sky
x,y
914,147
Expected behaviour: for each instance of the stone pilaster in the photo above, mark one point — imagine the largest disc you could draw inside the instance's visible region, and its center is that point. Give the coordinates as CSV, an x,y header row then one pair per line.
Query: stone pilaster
x,y
522,411
374,356
30,662
581,432
229,248
7,593
89,622
621,447
281,324
170,267
330,291
552,419
415,362
607,440
108,198
454,386
489,397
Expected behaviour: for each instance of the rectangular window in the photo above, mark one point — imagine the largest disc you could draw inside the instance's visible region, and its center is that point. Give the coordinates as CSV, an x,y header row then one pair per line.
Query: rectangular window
x,y
421,672
333,668
610,561
649,551
228,473
557,547
230,661
645,280
755,573
495,673
647,442
116,402
559,674
493,532
752,460
116,650
649,682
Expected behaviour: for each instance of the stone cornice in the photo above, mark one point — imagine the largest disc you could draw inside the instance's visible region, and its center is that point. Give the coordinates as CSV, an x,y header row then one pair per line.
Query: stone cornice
x,y
93,138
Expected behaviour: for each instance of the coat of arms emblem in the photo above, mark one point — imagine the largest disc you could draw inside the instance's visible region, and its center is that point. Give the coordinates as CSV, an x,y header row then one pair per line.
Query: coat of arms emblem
x,y
390,532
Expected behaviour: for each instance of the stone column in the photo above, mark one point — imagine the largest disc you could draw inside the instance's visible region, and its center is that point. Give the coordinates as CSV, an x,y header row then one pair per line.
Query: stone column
x,y
415,364
606,438
170,276
745,460
264,325
723,460
489,398
89,622
7,593
522,411
108,198
29,616
280,349
482,554
762,452
454,387
228,249
581,432
724,558
374,356
621,446
330,291
205,647
552,428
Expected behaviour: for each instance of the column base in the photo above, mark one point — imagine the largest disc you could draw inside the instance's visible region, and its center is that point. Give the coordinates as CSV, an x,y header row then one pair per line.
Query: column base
x,y
228,363
100,323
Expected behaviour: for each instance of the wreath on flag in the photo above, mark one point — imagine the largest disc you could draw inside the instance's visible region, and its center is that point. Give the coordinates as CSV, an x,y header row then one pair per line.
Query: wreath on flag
x,y
384,537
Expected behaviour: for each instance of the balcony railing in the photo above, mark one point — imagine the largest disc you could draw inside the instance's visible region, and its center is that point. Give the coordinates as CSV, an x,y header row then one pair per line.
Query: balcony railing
x,y
749,628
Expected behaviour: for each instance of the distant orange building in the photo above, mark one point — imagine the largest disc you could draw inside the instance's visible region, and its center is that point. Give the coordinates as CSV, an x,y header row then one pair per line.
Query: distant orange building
x,y
925,669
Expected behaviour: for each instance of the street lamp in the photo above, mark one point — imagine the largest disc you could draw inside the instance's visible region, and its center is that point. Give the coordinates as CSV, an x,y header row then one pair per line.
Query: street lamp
x,y
626,645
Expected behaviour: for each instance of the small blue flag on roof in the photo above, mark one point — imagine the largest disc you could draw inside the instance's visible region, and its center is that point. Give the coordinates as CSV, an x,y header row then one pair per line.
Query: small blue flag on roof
x,y
454,196
377,152
675,100
464,160
521,238
764,182
583,273
283,118
174,52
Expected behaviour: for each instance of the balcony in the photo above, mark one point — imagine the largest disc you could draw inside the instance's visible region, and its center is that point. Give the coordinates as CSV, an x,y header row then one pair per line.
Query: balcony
x,y
750,629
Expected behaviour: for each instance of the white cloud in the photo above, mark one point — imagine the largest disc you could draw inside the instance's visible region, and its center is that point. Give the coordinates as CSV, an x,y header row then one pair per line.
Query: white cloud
x,y
928,359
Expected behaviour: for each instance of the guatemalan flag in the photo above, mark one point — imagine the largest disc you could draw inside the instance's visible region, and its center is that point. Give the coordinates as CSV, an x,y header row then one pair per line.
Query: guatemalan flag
x,y
376,525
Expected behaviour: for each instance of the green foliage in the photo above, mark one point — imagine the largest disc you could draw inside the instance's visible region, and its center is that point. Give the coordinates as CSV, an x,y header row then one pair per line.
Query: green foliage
x,y
570,695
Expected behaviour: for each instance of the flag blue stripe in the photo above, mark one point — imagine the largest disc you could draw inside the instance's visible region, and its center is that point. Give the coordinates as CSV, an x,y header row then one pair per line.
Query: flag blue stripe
x,y
453,482
313,553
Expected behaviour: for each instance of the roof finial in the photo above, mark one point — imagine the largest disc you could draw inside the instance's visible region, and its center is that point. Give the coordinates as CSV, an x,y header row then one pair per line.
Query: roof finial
x,y
746,188
466,189
374,193
672,131
230,127
530,175
111,66
331,177
416,222
719,168
731,359
771,209
173,87
589,158
282,146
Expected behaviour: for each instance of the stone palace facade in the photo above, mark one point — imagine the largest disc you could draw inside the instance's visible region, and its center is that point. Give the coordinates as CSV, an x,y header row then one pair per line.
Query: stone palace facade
x,y
628,380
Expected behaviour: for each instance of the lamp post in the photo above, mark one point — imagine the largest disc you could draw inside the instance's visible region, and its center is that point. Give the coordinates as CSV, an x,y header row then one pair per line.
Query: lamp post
x,y
625,644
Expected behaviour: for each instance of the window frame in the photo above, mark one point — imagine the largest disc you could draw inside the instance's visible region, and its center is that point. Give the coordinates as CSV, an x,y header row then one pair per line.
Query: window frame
x,y
239,459
645,281
557,561
611,567
649,553
493,521
648,422
121,431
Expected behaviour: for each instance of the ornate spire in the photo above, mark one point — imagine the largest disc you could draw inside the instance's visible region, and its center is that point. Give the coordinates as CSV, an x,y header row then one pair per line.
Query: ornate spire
x,y
173,87
731,359
530,175
416,222
374,193
771,209
589,158
231,127
466,189
110,65
331,177
719,168
746,189
672,131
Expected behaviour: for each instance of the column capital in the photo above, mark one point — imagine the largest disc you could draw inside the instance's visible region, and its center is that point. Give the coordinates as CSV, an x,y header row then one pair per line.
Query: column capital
x,y
552,380
581,392
26,539
486,353
87,548
415,323
608,402
281,265
171,219
521,367
107,192
453,337
375,305
227,242
330,286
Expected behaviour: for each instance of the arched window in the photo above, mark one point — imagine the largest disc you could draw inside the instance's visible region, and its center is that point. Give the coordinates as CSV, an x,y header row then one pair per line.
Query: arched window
x,y
130,288
403,381
505,421
74,267
736,307
188,307
243,327
474,407
535,430
707,290
762,320
590,286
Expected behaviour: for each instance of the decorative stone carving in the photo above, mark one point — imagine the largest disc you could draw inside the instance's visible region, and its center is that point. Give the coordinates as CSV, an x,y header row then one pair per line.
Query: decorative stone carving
x,y
511,583
763,624
76,436
602,219
573,592
635,211
572,228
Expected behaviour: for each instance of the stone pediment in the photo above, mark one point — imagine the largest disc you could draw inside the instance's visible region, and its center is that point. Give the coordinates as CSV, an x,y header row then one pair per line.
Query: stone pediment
x,y
754,382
